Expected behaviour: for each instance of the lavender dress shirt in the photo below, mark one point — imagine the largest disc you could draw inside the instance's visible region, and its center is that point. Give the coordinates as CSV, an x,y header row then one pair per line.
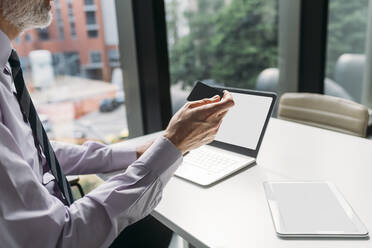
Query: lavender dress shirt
x,y
30,214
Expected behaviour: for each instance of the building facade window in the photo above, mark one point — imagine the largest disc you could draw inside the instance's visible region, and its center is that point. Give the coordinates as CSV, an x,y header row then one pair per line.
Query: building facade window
x,y
61,31
73,30
17,40
66,63
91,23
70,10
92,33
71,19
91,17
95,57
28,38
114,57
59,16
89,2
43,34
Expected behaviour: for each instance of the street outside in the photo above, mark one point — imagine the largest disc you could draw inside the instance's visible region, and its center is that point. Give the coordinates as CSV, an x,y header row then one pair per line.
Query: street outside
x,y
103,126
71,106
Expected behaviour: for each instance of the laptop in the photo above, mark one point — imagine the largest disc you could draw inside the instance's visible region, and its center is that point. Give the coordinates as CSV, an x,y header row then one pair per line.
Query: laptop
x,y
237,142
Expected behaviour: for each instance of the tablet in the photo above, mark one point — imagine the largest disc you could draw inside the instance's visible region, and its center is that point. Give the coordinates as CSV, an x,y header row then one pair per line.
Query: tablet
x,y
311,209
240,134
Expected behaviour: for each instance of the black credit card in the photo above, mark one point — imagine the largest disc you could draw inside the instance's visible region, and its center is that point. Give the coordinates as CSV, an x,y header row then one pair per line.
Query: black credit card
x,y
201,91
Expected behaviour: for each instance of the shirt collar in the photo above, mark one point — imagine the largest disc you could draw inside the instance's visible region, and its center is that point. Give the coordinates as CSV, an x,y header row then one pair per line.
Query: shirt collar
x,y
5,49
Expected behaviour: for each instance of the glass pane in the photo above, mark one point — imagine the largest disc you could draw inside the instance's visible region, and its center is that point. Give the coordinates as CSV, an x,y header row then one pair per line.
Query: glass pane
x,y
73,72
347,30
222,42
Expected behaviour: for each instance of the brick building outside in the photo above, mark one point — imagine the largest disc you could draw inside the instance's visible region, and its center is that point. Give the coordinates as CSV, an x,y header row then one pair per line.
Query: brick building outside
x,y
82,38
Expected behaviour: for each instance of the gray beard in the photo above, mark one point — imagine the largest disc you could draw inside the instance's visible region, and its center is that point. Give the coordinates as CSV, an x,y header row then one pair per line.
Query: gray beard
x,y
26,14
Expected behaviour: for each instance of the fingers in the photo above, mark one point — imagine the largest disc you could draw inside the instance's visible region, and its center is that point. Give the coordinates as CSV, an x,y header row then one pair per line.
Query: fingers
x,y
205,101
219,107
225,104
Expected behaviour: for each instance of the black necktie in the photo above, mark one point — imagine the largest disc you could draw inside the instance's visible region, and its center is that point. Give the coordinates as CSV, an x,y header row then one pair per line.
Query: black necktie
x,y
29,112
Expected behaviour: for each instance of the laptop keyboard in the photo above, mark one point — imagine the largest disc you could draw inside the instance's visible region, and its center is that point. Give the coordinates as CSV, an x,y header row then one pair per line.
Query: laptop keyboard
x,y
209,160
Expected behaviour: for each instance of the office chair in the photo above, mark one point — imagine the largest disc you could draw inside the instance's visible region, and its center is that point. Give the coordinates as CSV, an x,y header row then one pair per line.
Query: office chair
x,y
324,111
74,182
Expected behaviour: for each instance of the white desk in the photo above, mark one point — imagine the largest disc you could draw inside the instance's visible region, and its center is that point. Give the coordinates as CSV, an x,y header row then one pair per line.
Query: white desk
x,y
234,213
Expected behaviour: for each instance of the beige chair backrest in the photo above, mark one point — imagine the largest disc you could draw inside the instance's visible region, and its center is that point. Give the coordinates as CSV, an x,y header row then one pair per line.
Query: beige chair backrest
x,y
324,111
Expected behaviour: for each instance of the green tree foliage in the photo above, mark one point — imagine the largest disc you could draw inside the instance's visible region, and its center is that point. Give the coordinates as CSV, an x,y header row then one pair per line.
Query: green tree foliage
x,y
233,41
229,43
347,25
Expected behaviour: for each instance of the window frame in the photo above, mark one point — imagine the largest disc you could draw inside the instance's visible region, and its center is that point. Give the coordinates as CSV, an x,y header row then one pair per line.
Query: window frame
x,y
145,64
313,46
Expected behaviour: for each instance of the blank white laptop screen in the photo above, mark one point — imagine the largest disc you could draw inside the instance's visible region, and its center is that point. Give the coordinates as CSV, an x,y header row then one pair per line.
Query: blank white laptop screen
x,y
243,124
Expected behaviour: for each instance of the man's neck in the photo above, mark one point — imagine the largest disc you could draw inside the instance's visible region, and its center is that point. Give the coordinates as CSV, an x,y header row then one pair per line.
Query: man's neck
x,y
9,29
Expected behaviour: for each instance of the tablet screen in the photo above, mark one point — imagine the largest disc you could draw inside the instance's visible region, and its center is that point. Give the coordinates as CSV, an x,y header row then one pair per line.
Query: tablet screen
x,y
311,208
243,124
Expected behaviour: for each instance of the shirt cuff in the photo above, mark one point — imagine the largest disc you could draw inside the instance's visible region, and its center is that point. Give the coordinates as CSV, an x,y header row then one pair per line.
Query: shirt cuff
x,y
122,156
160,156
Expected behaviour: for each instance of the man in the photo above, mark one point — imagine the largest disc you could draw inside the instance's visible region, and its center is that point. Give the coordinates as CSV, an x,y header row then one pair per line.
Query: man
x,y
36,207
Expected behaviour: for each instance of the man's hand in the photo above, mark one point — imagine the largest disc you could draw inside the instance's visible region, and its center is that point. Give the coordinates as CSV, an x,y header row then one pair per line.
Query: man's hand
x,y
197,123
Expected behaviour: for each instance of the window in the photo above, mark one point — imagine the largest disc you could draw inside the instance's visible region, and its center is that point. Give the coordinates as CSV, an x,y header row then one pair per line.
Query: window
x,y
91,24
346,61
89,2
43,34
96,57
61,32
59,16
74,83
66,63
71,19
70,11
91,17
114,57
223,42
92,33
73,30
28,38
